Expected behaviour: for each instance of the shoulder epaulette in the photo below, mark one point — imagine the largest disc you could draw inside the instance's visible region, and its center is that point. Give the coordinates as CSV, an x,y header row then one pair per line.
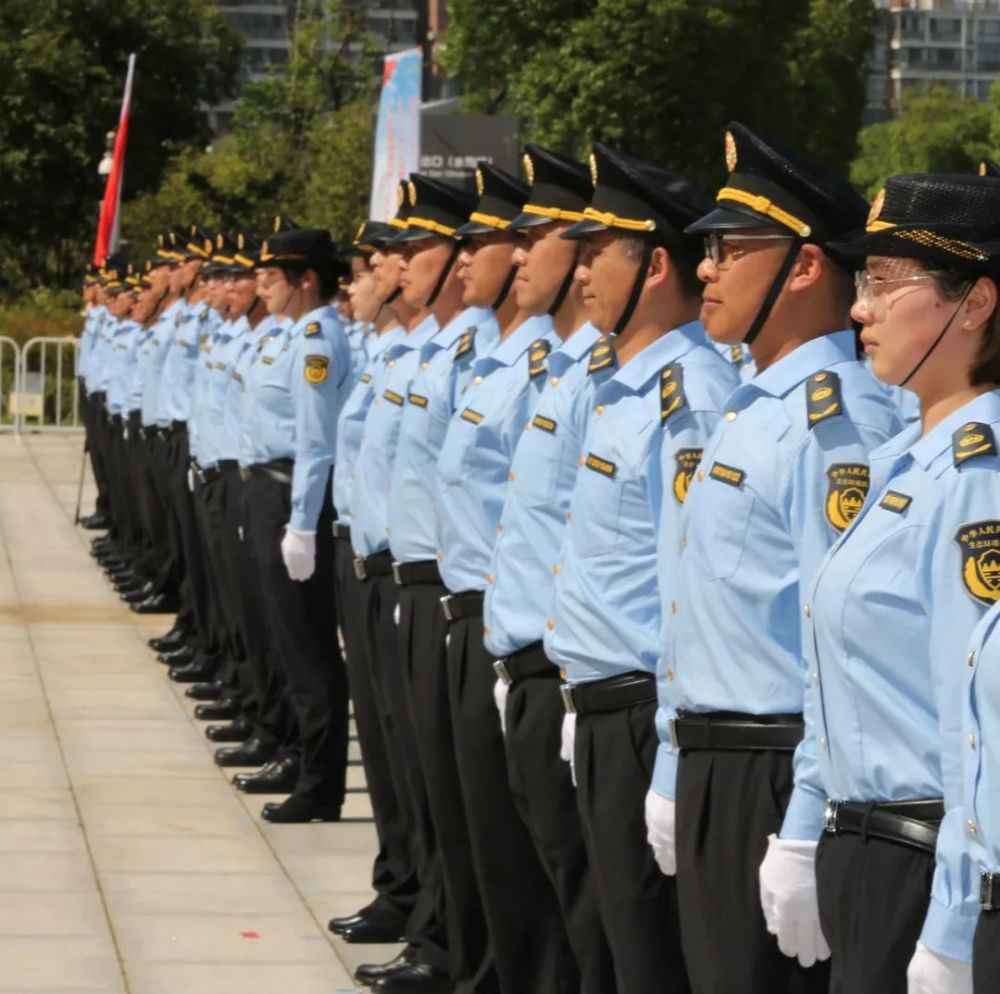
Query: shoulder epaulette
x,y
823,397
537,355
465,342
602,354
204,313
736,355
971,440
312,328
671,390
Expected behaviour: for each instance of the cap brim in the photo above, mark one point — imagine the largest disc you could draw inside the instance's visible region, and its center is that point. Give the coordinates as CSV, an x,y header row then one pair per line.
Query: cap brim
x,y
583,229
528,221
729,219
410,235
471,228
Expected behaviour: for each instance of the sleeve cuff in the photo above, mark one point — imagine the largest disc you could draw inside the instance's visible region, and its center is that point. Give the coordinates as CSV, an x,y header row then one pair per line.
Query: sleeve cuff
x,y
950,931
665,772
805,815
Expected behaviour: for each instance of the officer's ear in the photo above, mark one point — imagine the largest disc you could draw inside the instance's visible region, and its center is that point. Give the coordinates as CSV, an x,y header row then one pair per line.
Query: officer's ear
x,y
810,266
660,266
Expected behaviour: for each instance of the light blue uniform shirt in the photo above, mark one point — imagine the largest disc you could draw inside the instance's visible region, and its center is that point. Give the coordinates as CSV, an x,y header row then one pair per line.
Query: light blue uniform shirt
x,y
101,355
477,451
203,425
445,369
542,475
351,422
779,481
374,462
122,354
269,328
137,370
157,348
179,368
605,613
231,432
297,385
218,382
891,610
88,341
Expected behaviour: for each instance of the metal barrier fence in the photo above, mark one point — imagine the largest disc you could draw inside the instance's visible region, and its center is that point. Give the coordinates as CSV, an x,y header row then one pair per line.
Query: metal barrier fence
x,y
10,379
46,394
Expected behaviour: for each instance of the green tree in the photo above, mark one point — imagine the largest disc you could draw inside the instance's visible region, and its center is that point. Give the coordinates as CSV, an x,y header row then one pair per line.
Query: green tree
x,y
62,65
937,130
661,78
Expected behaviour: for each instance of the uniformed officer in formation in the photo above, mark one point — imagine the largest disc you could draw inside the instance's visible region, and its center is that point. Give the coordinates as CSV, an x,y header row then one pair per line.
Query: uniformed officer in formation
x,y
649,595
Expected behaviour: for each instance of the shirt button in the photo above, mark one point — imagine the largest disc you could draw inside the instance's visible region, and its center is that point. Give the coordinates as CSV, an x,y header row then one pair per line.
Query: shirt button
x,y
808,611
527,424
673,607
554,381
477,379
730,415
971,825
440,556
815,676
500,526
550,624
684,541
972,658
972,742
424,365
670,674
391,363
511,476
599,410
556,569
489,577
580,461
822,742
701,475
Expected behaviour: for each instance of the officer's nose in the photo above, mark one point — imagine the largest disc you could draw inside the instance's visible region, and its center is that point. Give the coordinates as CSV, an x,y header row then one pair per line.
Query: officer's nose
x,y
707,271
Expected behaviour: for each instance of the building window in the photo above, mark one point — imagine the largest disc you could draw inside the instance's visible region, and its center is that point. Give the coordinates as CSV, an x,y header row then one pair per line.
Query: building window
x,y
988,57
945,28
989,28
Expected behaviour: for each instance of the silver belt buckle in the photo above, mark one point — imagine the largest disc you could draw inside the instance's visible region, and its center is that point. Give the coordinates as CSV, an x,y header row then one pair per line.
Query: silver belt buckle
x,y
672,726
500,668
986,891
830,816
395,574
446,607
359,567
566,692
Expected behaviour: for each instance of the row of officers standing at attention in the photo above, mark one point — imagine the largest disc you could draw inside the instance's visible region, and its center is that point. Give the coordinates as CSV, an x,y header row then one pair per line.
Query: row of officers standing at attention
x,y
668,616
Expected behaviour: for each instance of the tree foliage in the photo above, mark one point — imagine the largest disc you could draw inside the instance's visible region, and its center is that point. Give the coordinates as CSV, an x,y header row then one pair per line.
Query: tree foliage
x,y
62,65
661,78
937,130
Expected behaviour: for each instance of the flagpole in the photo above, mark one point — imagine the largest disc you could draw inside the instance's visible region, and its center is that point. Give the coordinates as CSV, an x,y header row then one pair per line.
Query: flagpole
x,y
107,227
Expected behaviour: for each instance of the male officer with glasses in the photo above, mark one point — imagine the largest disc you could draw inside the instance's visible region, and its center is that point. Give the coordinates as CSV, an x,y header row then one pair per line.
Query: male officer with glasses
x,y
765,504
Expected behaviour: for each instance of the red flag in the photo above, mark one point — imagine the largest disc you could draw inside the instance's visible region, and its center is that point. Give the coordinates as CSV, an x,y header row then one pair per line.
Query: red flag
x,y
107,227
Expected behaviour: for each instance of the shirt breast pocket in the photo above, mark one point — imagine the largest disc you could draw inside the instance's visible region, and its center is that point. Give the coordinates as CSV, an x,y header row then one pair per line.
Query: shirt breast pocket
x,y
724,547
542,486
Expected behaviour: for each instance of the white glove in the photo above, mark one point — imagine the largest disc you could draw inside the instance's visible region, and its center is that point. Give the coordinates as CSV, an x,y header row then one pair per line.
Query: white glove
x,y
788,899
567,750
660,834
298,549
191,478
500,690
395,614
931,973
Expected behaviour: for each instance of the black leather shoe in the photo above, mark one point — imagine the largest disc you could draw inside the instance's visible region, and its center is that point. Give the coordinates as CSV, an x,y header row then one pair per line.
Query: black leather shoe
x,y
234,731
216,711
370,912
95,522
417,978
368,973
157,604
135,595
127,580
376,929
177,657
279,777
211,691
192,672
173,639
253,752
298,809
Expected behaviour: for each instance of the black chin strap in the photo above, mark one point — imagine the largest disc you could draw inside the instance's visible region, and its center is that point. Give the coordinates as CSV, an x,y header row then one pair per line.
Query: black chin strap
x,y
564,288
937,341
456,248
637,284
505,289
777,285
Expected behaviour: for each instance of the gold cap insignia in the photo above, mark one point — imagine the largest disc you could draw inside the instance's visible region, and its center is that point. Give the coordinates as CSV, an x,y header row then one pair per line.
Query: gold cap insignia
x,y
220,240
277,223
360,231
159,240
982,168
480,182
240,241
730,145
877,204
593,169
411,189
529,168
400,194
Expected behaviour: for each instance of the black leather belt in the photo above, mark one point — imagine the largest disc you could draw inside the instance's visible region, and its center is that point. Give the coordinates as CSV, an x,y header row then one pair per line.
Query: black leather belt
x,y
424,571
176,426
614,694
380,564
116,420
228,465
149,433
279,470
341,529
913,823
524,664
467,604
989,891
731,730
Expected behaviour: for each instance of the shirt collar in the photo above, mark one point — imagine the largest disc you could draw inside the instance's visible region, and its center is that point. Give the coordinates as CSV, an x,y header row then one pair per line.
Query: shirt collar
x,y
319,314
787,373
984,409
575,347
414,339
462,322
519,341
667,348
386,340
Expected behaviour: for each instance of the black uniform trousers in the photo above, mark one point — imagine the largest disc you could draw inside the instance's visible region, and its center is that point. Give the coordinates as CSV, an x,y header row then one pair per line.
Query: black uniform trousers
x,y
530,949
986,954
543,792
873,898
152,488
394,875
728,803
303,621
422,633
426,924
93,413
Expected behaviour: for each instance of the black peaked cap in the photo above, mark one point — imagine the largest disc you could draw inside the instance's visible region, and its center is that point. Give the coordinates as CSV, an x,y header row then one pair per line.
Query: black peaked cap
x,y
561,188
501,199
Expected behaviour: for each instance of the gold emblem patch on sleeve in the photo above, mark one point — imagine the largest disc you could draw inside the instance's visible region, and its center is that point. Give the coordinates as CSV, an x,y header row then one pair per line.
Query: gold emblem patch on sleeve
x,y
312,328
687,462
846,493
973,439
980,545
316,369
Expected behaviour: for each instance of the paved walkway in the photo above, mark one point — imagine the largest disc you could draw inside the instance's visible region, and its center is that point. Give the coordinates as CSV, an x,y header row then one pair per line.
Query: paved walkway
x,y
127,862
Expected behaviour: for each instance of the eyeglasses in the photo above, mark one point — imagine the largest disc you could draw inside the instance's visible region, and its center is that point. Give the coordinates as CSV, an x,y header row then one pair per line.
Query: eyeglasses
x,y
867,286
722,250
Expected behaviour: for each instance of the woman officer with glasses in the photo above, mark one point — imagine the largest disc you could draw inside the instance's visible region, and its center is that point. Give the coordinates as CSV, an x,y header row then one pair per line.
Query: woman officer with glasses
x,y
892,606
